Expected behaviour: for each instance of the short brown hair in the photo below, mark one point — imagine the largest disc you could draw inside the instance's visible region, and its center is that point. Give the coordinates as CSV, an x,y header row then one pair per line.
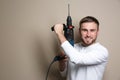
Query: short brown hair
x,y
89,19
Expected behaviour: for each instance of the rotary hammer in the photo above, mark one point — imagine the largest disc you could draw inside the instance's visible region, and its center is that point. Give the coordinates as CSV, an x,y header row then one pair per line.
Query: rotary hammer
x,y
68,32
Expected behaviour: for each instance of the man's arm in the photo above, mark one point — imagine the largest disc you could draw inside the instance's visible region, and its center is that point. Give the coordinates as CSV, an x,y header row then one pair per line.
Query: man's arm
x,y
95,56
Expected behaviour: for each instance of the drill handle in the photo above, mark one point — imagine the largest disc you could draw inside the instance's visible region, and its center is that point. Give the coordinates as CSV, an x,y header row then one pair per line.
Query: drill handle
x,y
64,27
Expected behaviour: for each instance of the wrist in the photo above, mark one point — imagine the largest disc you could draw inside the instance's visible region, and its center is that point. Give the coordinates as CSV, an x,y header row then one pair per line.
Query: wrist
x,y
61,37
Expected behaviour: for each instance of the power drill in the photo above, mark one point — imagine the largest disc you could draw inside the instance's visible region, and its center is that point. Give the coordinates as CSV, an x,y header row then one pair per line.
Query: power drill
x,y
68,33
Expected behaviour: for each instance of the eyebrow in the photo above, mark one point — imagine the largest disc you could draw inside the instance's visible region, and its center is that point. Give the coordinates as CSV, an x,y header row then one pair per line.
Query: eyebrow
x,y
90,29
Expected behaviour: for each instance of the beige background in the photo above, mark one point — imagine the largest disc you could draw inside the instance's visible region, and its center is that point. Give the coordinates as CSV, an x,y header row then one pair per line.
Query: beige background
x,y
27,45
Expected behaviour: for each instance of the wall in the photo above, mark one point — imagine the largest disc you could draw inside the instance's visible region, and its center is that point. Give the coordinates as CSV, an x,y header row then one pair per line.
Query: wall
x,y
27,45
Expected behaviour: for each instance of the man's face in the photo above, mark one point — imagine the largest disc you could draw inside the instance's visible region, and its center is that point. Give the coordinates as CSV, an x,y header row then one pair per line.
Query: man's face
x,y
88,33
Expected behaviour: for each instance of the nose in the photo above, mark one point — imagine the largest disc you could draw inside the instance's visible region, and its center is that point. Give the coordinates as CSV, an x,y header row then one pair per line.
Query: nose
x,y
88,33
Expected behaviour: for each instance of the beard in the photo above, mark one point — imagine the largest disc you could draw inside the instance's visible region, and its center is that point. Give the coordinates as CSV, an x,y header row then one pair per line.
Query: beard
x,y
87,41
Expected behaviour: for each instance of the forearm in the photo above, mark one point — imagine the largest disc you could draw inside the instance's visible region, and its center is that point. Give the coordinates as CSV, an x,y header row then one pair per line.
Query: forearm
x,y
62,63
61,38
62,66
63,70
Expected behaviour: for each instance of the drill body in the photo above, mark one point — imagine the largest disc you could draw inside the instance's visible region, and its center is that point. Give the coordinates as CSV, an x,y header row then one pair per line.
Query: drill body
x,y
69,33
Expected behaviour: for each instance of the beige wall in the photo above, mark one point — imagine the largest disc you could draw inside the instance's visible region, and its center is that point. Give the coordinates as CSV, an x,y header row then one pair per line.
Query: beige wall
x,y
27,45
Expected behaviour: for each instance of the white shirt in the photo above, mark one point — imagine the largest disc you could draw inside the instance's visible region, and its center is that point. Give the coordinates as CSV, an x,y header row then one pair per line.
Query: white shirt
x,y
85,63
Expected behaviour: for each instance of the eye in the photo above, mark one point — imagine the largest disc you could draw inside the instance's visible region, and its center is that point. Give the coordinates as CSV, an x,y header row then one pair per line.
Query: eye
x,y
84,30
93,30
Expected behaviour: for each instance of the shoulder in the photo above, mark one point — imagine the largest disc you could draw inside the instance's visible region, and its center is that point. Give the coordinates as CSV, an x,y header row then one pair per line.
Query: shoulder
x,y
101,49
100,46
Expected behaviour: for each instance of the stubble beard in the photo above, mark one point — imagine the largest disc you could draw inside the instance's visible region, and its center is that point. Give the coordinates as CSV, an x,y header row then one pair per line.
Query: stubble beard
x,y
85,44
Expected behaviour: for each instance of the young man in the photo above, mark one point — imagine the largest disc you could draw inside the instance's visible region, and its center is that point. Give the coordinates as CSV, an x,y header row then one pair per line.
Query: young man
x,y
87,59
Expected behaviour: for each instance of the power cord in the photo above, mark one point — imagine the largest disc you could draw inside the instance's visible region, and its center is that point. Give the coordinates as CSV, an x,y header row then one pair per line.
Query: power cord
x,y
56,58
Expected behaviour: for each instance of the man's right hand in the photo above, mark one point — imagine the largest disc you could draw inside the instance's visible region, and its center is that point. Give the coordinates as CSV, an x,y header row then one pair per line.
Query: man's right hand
x,y
58,28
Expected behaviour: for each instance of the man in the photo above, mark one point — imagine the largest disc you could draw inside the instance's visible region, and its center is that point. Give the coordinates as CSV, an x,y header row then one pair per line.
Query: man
x,y
87,59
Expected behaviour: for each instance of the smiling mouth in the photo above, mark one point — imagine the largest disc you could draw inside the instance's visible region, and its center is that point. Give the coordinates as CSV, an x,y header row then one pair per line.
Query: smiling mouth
x,y
88,38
